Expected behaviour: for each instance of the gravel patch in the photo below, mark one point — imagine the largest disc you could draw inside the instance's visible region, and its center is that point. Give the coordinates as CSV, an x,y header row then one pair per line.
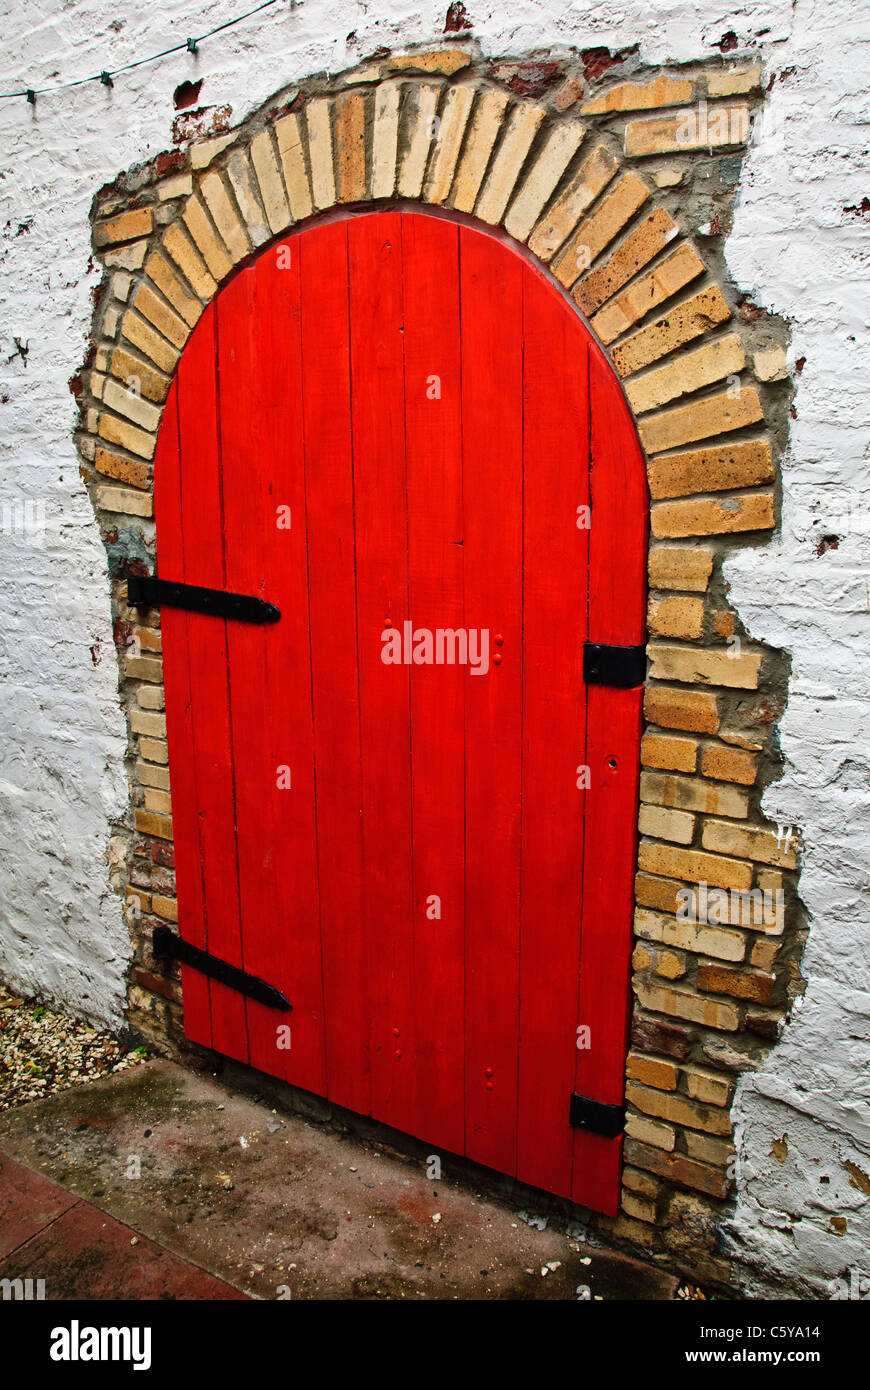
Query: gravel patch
x,y
43,1052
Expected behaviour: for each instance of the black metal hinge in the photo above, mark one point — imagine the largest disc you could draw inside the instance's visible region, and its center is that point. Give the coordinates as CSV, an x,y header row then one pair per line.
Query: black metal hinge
x,y
594,1115
166,944
618,666
147,591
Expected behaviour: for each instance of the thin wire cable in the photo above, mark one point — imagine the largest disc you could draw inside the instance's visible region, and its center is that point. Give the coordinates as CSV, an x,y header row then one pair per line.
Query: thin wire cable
x,y
190,44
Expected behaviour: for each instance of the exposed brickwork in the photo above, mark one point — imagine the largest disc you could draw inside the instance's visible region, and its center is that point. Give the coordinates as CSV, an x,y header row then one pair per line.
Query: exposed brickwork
x,y
572,169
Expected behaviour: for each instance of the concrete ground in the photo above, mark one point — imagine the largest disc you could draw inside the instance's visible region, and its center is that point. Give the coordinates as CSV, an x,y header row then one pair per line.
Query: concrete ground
x,y
164,1183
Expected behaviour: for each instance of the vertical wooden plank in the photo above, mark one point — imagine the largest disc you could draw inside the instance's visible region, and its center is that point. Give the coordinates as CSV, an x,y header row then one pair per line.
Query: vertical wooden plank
x,y
329,528
378,393
263,483
179,726
617,586
433,416
203,528
555,562
491,306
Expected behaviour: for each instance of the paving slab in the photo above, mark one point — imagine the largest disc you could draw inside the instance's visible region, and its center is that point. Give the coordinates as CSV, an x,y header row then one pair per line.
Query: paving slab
x,y
281,1207
77,1251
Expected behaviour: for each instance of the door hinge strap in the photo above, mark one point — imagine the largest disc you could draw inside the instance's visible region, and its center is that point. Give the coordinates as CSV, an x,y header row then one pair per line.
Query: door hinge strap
x,y
147,591
607,1120
165,943
618,666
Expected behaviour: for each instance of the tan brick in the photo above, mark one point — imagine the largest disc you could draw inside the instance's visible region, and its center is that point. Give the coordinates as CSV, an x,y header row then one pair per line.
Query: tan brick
x,y
770,366
741,984
153,725
598,230
745,908
669,751
124,470
704,666
642,958
640,96
128,402
658,893
692,794
292,155
144,668
226,219
695,711
133,371
756,842
454,118
666,824
622,1227
681,1003
127,226
647,1131
270,183
666,279
206,240
121,432
677,1168
155,750
671,965
682,323
722,467
185,255
749,511
729,764
142,335
181,186
667,178
137,898
764,954
158,802
675,617
570,92
150,697
640,1208
320,152
167,908
700,419
687,373
204,151
241,177
485,126
446,60
424,98
149,638
151,776
689,936
734,81
693,866
695,128
635,1180
647,240
539,183
680,567
676,1109
520,131
129,257
120,499
594,174
652,1071
709,1087
161,317
350,151
717,1152
158,270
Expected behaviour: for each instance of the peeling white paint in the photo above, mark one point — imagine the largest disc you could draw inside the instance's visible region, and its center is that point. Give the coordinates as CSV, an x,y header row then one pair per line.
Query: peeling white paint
x,y
793,247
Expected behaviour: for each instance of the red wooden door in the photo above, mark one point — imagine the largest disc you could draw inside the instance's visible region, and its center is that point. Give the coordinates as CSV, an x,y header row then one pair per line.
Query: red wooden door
x,y
396,429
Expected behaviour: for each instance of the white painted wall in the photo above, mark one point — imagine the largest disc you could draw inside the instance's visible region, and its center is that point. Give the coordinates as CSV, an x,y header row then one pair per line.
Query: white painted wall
x,y
793,247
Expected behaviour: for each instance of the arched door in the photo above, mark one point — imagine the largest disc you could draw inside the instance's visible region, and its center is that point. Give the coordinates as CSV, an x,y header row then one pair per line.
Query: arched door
x,y
404,804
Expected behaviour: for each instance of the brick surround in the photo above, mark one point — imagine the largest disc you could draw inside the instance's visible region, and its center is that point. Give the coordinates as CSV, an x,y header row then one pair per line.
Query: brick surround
x,y
622,190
